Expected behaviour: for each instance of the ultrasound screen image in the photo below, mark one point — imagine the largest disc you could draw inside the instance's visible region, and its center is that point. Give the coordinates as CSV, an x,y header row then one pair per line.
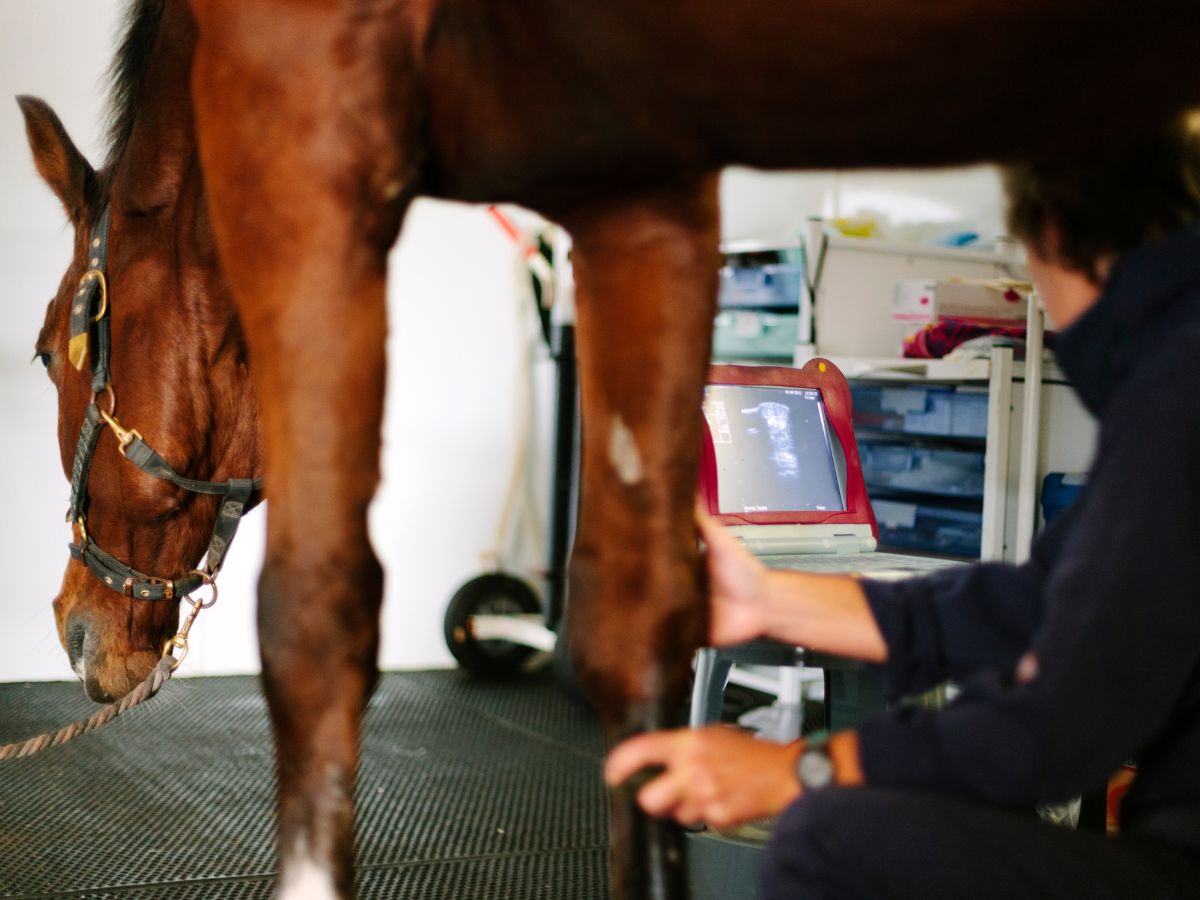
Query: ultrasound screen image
x,y
773,449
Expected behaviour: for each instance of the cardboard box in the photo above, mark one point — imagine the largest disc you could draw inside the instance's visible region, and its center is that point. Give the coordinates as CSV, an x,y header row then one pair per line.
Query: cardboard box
x,y
992,302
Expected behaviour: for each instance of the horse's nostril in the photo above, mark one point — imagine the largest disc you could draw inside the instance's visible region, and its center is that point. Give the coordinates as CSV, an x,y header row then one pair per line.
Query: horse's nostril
x,y
76,635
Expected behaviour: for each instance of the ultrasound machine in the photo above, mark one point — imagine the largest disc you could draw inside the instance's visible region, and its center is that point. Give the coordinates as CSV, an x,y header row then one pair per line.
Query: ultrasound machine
x,y
780,469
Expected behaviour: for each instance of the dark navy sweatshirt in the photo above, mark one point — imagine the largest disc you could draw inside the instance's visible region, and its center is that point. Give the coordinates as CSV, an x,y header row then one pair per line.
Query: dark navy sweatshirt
x,y
1088,655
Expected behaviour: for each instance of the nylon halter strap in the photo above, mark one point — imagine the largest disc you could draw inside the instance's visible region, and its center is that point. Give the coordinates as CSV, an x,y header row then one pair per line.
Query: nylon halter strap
x,y
90,335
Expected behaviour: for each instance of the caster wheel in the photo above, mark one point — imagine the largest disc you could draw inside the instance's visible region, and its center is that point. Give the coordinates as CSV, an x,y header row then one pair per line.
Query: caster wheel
x,y
492,594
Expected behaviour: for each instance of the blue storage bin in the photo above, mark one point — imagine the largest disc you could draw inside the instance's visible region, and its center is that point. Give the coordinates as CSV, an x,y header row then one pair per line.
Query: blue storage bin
x,y
774,286
746,334
1060,490
936,411
948,473
928,528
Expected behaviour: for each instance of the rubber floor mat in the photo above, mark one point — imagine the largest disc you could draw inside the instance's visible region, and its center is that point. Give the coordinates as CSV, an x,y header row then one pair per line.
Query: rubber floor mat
x,y
468,790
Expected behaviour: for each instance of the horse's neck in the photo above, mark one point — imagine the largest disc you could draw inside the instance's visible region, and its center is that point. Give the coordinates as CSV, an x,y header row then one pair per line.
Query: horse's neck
x,y
154,159
159,171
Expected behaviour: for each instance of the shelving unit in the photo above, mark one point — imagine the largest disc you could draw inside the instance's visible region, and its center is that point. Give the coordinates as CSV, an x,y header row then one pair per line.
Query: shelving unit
x,y
1035,425
996,374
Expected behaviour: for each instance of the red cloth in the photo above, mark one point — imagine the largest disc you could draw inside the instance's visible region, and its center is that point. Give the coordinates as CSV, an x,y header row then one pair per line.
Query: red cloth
x,y
936,340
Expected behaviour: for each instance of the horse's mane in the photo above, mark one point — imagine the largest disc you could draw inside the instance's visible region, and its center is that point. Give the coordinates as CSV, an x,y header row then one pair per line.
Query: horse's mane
x,y
128,68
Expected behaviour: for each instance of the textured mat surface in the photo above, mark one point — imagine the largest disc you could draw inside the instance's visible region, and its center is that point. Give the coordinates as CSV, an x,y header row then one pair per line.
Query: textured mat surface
x,y
468,790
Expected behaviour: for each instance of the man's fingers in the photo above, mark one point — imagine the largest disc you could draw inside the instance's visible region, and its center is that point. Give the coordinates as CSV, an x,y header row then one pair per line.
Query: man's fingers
x,y
721,544
698,775
664,794
721,816
709,529
651,749
689,813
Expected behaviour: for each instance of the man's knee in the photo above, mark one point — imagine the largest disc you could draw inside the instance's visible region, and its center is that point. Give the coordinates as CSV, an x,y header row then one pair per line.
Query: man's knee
x,y
812,847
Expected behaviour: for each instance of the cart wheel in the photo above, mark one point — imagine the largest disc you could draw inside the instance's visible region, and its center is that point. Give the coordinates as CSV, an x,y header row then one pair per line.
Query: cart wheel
x,y
495,593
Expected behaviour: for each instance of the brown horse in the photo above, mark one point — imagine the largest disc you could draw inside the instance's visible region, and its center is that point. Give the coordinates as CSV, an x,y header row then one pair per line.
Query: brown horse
x,y
180,370
291,135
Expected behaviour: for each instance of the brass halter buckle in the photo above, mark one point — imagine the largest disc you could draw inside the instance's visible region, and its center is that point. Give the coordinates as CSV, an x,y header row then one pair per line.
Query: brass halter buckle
x,y
98,276
168,586
79,344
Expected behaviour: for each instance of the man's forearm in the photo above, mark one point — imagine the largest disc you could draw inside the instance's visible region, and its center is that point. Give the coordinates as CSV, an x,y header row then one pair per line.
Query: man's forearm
x,y
822,612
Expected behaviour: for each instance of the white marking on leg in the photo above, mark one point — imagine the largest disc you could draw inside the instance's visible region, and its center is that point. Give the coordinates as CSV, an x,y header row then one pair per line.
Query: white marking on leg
x,y
303,878
623,453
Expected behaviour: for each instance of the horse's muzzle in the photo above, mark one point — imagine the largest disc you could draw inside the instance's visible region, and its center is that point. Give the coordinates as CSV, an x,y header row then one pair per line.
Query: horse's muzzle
x,y
81,651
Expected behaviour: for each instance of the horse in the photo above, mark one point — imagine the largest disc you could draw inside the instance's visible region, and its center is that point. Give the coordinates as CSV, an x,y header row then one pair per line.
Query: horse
x,y
262,159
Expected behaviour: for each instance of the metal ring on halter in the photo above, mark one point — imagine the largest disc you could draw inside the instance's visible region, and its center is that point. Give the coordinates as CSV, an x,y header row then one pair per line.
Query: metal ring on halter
x,y
112,399
99,276
208,582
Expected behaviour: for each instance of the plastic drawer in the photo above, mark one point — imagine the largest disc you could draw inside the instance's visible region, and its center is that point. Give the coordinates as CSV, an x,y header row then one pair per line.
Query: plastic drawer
x,y
771,286
1059,491
752,334
937,411
948,473
928,528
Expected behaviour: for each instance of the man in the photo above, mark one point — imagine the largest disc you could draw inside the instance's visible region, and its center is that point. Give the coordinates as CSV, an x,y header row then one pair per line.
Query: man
x,y
1069,665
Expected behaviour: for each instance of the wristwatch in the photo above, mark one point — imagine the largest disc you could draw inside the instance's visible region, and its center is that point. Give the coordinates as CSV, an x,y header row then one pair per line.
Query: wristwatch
x,y
814,768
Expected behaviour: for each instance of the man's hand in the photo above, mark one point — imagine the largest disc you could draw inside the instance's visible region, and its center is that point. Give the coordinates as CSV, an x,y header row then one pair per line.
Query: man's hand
x,y
747,600
737,583
717,775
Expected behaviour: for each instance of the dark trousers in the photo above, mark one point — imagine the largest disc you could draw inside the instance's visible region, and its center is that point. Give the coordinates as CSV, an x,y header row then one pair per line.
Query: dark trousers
x,y
887,844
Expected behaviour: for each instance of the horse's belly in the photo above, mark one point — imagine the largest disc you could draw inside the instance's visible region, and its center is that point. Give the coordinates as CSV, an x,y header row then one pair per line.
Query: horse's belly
x,y
551,99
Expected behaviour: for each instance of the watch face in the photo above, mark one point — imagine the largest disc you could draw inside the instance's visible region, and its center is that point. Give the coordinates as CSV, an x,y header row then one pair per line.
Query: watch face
x,y
815,768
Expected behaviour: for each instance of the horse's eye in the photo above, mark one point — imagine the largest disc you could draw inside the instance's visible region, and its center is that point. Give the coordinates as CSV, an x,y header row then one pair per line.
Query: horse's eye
x,y
45,358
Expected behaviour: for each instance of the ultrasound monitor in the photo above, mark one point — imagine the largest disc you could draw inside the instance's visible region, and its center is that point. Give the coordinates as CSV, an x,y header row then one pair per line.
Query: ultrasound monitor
x,y
774,450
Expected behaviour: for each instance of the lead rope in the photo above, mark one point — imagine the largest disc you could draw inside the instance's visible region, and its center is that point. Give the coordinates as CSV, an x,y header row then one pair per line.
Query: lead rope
x,y
236,493
144,691
158,676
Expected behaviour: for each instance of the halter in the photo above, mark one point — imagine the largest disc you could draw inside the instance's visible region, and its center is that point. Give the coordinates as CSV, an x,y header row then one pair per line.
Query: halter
x,y
90,326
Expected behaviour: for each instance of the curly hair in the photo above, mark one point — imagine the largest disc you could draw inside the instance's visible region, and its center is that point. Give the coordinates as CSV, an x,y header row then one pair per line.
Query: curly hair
x,y
1114,199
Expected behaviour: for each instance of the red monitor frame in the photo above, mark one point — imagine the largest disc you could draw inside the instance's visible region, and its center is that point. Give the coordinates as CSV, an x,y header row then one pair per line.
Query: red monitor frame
x,y
828,379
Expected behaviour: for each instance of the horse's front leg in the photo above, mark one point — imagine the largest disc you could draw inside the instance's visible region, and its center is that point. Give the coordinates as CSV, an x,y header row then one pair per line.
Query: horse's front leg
x,y
646,274
306,182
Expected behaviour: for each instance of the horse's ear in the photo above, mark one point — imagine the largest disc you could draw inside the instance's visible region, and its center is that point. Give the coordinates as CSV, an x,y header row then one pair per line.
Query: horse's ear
x,y
59,162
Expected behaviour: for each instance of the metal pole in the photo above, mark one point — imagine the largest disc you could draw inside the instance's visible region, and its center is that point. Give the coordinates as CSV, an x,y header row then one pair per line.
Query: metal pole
x,y
995,462
1030,431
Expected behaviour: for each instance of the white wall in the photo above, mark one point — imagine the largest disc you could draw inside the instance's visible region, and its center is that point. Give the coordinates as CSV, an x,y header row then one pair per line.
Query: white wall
x,y
906,205
56,49
458,310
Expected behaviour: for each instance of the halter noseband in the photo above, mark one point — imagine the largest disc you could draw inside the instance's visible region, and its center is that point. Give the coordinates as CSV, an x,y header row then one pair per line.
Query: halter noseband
x,y
90,326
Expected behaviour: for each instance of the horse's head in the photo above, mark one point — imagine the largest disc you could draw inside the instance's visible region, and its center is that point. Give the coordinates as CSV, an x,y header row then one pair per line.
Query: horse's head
x,y
144,281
